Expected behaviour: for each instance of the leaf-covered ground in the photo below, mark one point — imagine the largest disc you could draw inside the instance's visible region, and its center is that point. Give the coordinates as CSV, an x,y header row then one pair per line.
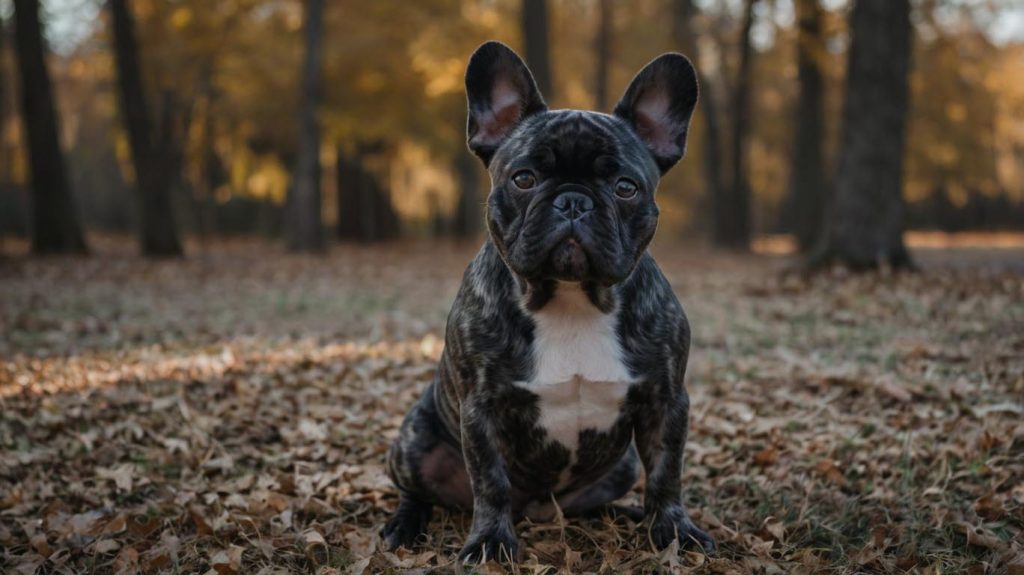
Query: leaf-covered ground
x,y
231,412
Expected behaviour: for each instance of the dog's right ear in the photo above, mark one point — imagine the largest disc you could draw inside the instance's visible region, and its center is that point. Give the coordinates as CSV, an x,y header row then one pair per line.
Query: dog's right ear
x,y
501,94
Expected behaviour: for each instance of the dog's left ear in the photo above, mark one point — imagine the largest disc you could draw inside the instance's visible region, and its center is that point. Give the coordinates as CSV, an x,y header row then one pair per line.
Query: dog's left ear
x,y
501,93
658,104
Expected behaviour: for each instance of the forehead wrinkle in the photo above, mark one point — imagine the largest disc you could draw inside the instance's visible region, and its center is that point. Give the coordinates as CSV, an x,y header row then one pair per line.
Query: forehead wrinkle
x,y
577,139
561,131
518,140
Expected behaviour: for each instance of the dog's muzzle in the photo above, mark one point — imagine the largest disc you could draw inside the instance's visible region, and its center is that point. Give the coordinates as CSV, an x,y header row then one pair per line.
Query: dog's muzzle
x,y
573,202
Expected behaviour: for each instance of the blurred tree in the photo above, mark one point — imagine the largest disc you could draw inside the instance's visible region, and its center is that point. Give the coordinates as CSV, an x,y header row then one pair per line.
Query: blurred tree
x,y
218,73
5,169
603,54
55,225
157,231
685,35
807,168
962,98
304,227
865,227
537,44
365,213
469,212
732,208
350,197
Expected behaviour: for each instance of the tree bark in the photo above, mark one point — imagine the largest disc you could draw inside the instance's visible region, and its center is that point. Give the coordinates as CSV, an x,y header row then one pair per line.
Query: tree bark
x,y
603,54
349,191
865,229
807,185
537,44
55,223
365,212
305,229
5,105
732,213
469,213
158,233
685,35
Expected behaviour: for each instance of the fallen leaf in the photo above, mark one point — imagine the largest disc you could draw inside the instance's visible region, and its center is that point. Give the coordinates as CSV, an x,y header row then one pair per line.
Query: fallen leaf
x,y
829,470
122,476
767,456
358,567
40,544
315,547
982,537
227,561
127,561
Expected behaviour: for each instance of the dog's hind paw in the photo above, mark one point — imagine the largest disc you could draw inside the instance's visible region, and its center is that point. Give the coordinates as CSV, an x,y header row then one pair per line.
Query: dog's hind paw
x,y
407,524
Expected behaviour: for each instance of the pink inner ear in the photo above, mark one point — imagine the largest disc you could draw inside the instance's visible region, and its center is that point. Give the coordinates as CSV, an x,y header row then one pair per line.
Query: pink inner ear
x,y
654,125
505,111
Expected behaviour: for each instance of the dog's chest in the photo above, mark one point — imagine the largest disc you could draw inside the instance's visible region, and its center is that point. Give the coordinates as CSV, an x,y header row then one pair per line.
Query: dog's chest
x,y
579,373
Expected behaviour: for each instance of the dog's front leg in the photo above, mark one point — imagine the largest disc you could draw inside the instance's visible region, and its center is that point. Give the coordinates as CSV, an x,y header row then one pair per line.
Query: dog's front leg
x,y
660,439
491,535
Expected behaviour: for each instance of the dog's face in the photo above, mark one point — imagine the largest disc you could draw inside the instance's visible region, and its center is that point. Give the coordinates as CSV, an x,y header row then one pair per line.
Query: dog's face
x,y
572,194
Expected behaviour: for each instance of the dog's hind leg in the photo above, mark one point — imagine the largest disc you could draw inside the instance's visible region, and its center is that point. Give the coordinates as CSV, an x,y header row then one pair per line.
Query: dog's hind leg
x,y
408,523
427,470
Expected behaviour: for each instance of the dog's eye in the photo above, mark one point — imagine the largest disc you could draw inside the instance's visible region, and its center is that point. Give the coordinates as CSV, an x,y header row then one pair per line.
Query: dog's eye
x,y
524,179
625,188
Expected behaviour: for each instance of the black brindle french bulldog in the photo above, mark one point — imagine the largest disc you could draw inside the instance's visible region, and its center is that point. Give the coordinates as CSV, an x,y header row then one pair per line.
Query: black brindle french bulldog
x,y
565,350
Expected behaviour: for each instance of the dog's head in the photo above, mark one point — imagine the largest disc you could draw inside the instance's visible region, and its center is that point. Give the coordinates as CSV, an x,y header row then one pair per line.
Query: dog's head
x,y
572,192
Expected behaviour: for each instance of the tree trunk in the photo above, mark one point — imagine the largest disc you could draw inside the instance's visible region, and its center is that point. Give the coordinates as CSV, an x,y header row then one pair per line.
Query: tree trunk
x,y
55,224
305,229
865,229
603,55
348,196
5,105
537,45
807,174
469,213
365,212
685,35
158,233
732,213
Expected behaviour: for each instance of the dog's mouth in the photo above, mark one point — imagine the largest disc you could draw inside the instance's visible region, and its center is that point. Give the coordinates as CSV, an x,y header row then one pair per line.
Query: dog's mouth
x,y
569,260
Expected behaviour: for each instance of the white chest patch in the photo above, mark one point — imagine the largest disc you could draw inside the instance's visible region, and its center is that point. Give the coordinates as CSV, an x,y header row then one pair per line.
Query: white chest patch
x,y
579,373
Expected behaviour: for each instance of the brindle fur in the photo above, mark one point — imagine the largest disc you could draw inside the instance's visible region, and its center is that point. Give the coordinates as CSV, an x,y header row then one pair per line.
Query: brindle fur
x,y
473,441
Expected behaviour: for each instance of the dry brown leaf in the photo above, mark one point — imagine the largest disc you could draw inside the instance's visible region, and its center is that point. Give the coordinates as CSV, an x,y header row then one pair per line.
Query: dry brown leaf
x,y
990,507
122,476
127,561
106,546
767,456
40,544
828,469
775,528
982,537
227,561
895,391
315,547
1015,564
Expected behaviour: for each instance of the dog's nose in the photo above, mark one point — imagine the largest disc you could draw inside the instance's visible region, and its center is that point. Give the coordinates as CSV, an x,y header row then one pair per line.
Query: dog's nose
x,y
573,205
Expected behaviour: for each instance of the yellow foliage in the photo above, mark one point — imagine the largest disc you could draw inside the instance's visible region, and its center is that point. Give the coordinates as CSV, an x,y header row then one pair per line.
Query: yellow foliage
x,y
181,17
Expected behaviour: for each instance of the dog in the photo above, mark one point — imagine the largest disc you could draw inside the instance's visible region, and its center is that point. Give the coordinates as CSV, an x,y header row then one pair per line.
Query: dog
x,y
565,349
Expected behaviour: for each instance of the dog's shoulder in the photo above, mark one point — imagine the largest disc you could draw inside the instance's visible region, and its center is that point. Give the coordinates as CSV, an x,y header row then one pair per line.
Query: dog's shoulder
x,y
653,327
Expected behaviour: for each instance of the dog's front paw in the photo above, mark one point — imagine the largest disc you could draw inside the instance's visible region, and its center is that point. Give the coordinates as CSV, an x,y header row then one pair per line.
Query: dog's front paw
x,y
498,543
672,523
